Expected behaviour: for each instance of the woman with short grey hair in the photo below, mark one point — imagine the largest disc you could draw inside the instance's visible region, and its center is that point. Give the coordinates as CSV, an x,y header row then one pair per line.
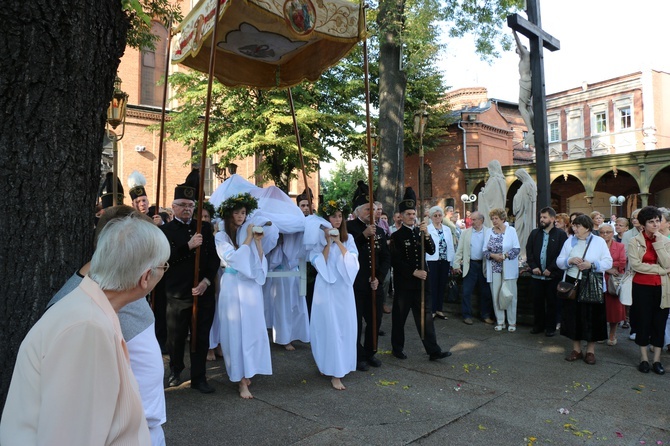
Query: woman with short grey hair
x,y
439,263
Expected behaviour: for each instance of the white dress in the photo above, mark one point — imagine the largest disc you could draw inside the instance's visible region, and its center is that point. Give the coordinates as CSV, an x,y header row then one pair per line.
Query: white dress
x,y
333,324
244,339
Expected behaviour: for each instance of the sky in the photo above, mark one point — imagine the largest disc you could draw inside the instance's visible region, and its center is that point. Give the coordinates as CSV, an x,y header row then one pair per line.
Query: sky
x,y
600,39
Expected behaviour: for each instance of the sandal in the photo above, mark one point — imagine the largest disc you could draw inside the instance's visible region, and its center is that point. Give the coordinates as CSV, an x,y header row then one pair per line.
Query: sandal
x,y
611,342
511,328
499,327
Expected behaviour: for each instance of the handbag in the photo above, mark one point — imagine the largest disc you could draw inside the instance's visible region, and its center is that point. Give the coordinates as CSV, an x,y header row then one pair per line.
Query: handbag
x,y
566,290
591,288
452,290
613,283
625,290
505,296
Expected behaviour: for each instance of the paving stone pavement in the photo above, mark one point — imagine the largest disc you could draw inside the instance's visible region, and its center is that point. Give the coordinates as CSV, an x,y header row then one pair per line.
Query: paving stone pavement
x,y
497,388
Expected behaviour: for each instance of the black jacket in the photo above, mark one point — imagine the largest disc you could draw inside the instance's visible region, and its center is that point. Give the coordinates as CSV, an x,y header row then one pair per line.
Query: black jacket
x,y
557,238
355,229
406,256
179,277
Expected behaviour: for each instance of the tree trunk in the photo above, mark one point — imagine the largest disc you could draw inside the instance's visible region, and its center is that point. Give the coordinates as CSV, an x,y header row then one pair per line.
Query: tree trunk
x,y
392,86
58,67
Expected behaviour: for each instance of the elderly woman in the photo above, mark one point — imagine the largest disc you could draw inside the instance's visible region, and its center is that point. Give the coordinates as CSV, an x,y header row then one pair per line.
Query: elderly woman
x,y
501,247
620,226
614,310
440,261
649,256
583,321
73,383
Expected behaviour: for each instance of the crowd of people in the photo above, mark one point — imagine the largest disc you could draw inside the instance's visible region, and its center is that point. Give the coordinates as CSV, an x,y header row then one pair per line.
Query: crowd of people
x,y
229,286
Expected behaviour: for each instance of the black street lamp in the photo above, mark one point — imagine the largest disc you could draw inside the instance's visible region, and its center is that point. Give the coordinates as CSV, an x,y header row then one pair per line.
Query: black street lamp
x,y
116,114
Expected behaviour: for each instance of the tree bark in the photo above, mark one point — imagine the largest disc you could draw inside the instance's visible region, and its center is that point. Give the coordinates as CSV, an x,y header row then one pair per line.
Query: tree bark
x,y
58,64
392,86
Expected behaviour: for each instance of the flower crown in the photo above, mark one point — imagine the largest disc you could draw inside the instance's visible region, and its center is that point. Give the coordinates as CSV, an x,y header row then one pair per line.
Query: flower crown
x,y
244,200
329,207
207,206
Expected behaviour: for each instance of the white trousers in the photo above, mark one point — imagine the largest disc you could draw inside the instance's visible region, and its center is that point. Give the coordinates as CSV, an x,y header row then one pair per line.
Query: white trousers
x,y
496,284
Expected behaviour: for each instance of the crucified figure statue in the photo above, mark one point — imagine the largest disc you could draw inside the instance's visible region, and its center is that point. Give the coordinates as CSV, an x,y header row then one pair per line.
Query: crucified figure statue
x,y
525,104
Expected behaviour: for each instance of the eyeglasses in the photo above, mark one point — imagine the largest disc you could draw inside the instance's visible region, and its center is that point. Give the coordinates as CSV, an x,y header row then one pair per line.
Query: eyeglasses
x,y
185,206
164,267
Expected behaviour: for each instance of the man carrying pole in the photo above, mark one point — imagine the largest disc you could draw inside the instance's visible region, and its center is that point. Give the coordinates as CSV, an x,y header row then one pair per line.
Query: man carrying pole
x,y
408,278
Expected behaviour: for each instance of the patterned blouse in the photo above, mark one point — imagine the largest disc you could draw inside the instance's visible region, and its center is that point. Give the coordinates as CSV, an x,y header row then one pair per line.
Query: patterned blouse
x,y
495,247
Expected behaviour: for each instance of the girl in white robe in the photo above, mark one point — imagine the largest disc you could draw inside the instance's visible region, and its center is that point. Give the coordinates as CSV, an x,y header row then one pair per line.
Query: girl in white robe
x,y
244,340
333,326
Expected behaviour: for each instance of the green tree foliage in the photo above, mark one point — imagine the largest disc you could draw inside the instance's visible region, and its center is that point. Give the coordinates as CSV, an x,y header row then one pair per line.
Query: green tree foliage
x,y
140,13
246,122
343,182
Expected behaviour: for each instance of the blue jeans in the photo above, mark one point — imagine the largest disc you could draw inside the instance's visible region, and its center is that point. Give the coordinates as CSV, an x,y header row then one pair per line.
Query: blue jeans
x,y
476,277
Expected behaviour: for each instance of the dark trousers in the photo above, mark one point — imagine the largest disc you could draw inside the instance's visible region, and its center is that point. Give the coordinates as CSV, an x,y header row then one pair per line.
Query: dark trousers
x,y
159,308
474,278
364,313
544,304
438,276
649,317
179,324
403,301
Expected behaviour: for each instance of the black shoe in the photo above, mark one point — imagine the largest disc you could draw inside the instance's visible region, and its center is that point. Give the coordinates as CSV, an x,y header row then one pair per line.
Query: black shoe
x,y
536,331
550,334
643,367
439,355
657,367
399,355
374,362
362,366
174,380
381,333
202,387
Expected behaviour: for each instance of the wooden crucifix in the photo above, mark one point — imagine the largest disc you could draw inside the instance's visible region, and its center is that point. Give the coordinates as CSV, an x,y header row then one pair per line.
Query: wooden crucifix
x,y
539,39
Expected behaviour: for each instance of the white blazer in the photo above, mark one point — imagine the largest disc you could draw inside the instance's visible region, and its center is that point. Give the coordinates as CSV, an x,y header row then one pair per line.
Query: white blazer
x,y
446,232
510,266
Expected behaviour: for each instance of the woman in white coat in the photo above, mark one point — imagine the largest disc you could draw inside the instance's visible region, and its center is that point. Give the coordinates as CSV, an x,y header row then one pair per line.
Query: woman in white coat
x,y
440,261
333,325
501,246
244,339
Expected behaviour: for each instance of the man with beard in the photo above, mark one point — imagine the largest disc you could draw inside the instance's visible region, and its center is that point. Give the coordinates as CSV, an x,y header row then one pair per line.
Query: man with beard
x,y
361,229
543,247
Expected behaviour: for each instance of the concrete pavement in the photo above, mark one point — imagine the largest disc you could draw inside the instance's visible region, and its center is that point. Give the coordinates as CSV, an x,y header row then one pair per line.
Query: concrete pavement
x,y
497,388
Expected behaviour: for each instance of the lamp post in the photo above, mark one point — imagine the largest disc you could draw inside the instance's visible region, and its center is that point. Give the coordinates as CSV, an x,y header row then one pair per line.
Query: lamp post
x,y
420,121
116,114
467,199
616,202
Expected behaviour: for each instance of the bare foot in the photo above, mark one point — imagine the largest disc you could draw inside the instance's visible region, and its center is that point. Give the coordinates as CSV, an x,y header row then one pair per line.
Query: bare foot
x,y
244,389
210,355
289,347
218,352
337,384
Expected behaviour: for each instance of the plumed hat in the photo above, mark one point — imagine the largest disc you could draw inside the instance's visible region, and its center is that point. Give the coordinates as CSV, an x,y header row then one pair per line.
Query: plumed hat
x,y
136,183
107,191
361,194
408,201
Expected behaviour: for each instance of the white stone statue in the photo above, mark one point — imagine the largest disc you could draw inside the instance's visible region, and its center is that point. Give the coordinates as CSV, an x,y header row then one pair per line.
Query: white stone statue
x,y
524,208
494,193
525,92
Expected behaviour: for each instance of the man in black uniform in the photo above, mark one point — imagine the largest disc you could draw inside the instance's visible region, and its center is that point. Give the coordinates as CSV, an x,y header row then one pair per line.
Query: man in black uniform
x,y
183,238
407,275
361,230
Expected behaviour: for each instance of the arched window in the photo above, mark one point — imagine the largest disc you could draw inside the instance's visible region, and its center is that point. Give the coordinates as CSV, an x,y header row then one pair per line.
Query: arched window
x,y
152,68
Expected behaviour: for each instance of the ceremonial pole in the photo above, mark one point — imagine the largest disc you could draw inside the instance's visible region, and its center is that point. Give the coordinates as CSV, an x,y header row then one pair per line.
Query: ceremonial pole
x,y
161,138
297,139
203,166
368,141
420,118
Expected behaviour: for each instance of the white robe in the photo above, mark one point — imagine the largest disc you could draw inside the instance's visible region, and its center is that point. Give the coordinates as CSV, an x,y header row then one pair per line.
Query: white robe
x,y
244,339
333,324
290,320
